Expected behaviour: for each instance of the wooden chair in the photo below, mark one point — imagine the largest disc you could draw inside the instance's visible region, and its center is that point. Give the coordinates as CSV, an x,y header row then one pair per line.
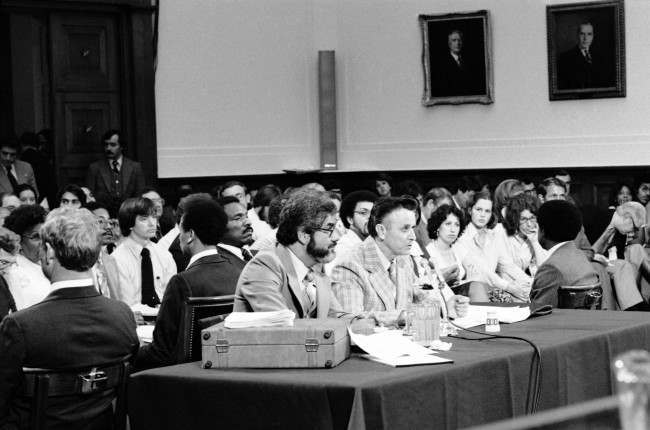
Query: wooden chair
x,y
580,296
195,310
41,384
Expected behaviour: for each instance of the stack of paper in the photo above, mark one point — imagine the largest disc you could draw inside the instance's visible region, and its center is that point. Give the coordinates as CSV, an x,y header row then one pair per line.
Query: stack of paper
x,y
145,310
281,318
392,348
145,333
478,314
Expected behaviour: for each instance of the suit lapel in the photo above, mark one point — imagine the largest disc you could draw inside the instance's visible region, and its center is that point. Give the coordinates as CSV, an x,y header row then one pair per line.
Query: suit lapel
x,y
125,172
379,277
323,285
105,173
294,284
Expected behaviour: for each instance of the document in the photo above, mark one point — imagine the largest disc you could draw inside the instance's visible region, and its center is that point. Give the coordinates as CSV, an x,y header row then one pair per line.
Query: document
x,y
392,348
283,318
477,315
145,333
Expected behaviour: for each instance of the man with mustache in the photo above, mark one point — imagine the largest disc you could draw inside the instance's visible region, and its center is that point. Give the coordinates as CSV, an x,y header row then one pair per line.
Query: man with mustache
x,y
238,235
291,275
116,178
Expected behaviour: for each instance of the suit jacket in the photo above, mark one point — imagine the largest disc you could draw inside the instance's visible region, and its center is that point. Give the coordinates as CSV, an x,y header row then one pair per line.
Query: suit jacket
x,y
450,79
269,283
575,72
566,266
212,275
422,237
71,327
44,172
231,258
99,179
7,303
361,283
24,175
181,259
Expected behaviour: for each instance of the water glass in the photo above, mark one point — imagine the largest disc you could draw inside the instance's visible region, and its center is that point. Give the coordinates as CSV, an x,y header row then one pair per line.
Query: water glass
x,y
632,371
426,324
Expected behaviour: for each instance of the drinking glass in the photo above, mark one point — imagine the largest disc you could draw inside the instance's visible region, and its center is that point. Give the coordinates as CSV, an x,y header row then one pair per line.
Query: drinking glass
x,y
426,323
632,371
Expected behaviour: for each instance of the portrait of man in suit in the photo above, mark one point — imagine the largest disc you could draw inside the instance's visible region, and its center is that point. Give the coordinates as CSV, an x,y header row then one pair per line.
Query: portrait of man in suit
x,y
14,172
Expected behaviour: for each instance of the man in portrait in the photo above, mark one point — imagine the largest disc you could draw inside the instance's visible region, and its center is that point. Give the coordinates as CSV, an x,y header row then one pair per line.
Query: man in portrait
x,y
584,65
453,73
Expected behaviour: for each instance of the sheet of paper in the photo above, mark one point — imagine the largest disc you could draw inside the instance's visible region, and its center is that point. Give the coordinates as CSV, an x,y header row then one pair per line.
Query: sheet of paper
x,y
477,315
145,310
145,333
408,360
260,319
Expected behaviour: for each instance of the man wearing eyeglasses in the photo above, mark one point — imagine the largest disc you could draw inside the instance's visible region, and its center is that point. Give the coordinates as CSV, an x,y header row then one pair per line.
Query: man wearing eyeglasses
x,y
291,276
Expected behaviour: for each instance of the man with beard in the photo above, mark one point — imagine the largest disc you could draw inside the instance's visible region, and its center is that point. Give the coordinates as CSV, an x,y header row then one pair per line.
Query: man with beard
x,y
378,277
105,270
291,276
354,213
208,274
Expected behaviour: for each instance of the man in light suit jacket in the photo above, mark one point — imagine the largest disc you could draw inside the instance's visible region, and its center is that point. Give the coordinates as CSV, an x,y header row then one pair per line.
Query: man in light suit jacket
x,y
14,172
291,276
378,276
559,223
116,178
74,326
208,274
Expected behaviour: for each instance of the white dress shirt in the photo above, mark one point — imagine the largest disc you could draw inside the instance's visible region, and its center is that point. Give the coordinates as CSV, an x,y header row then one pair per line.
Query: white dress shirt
x,y
260,228
27,283
129,261
348,242
265,243
166,241
235,250
211,251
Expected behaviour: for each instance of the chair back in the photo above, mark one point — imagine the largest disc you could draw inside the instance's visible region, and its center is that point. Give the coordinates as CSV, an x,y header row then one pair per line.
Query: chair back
x,y
41,384
196,309
580,296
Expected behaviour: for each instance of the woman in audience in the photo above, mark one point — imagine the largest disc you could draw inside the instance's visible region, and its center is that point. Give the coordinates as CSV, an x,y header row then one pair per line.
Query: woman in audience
x,y
445,225
27,194
439,196
622,194
506,190
9,201
520,223
485,258
26,280
9,243
71,196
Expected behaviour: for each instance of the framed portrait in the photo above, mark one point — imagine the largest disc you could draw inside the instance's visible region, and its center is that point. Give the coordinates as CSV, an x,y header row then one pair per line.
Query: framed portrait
x,y
456,58
586,50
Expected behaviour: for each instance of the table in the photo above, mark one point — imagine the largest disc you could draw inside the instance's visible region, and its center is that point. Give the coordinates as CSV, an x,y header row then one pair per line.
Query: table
x,y
487,382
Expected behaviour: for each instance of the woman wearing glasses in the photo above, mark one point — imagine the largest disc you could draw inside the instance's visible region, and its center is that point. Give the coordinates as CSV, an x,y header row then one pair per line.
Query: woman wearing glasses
x,y
520,223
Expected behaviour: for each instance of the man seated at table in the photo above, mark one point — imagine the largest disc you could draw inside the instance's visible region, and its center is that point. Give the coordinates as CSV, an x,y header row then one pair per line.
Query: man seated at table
x,y
208,274
291,276
378,276
74,326
559,222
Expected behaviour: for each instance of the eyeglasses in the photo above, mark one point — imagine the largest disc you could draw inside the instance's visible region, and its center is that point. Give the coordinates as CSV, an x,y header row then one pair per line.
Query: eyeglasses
x,y
530,220
329,231
363,213
33,236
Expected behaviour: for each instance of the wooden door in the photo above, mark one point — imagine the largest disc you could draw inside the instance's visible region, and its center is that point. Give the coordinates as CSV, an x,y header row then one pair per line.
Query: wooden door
x,y
86,86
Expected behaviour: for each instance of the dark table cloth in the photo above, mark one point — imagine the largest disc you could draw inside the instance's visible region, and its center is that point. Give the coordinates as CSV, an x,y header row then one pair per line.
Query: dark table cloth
x,y
488,381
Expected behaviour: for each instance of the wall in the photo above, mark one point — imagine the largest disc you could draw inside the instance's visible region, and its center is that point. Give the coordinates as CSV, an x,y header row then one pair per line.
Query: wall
x,y
236,91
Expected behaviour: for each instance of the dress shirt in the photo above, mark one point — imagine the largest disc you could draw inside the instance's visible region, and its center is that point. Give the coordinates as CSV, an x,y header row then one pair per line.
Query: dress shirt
x,y
72,283
439,262
27,283
265,243
168,238
235,250
301,270
202,254
119,164
260,228
343,249
128,259
554,248
521,253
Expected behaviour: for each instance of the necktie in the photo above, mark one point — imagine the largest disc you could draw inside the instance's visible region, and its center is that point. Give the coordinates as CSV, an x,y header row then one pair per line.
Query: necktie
x,y
115,167
310,291
392,272
149,296
460,62
12,179
246,254
588,56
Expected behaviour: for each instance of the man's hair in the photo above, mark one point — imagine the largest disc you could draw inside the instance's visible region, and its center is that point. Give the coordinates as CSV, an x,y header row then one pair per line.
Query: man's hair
x,y
231,184
148,189
482,195
466,183
9,241
455,30
180,208
638,182
75,237
586,22
93,206
275,208
515,207
440,215
265,194
205,217
561,172
506,190
543,186
72,189
349,203
25,217
120,137
131,209
306,209
228,200
408,188
560,220
385,206
22,187
384,177
436,194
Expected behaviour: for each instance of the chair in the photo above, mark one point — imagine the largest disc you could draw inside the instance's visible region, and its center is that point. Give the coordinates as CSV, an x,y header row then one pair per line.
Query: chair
x,y
580,296
41,384
194,311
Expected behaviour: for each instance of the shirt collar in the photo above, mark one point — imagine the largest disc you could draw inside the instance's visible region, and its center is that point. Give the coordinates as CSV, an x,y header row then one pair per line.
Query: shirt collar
x,y
119,162
235,250
298,266
72,283
382,258
135,246
555,248
202,254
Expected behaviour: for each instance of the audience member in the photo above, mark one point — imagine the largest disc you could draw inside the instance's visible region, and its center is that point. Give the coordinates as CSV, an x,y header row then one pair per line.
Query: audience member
x,y
26,280
71,196
643,195
383,185
269,241
14,172
9,245
444,227
158,204
259,213
105,272
559,223
313,186
40,161
144,268
73,327
9,201
117,177
291,276
238,234
622,193
201,227
529,187
520,222
26,194
463,191
565,177
482,250
506,190
173,236
235,189
409,188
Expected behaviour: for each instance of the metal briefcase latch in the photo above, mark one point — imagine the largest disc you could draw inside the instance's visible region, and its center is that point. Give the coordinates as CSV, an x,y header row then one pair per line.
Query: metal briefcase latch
x,y
93,381
311,345
222,346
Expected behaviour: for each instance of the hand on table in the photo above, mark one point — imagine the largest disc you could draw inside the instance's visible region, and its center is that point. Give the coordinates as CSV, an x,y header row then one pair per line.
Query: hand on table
x,y
458,306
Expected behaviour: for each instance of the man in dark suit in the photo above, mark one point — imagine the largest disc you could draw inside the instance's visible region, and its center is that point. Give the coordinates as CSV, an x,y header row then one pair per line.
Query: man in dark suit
x,y
74,326
14,172
116,178
453,74
582,67
208,274
559,222
238,235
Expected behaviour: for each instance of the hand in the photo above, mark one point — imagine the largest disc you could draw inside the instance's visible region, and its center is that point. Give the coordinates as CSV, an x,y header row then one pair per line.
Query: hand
x,y
450,274
458,306
520,290
531,236
387,318
363,326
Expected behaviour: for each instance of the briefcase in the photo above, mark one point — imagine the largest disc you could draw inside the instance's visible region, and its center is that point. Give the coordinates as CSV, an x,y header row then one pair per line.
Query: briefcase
x,y
309,343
